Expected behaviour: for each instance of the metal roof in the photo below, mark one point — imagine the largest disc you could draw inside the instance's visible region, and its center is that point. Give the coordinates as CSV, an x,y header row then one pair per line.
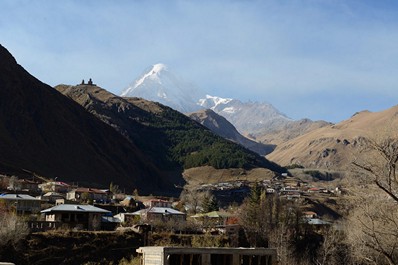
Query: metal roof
x,y
75,208
159,210
317,221
213,214
18,197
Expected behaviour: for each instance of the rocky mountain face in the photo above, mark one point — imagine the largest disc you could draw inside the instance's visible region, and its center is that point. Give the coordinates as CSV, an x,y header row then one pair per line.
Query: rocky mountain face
x,y
249,117
286,131
261,122
46,133
170,139
336,146
224,128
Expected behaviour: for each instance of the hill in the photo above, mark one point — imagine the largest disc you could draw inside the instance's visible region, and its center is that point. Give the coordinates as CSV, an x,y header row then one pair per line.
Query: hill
x,y
335,146
222,127
171,140
283,132
43,132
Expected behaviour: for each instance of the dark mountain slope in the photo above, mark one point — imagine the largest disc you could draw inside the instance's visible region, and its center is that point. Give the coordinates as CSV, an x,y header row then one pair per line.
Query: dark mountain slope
x,y
44,132
172,139
220,126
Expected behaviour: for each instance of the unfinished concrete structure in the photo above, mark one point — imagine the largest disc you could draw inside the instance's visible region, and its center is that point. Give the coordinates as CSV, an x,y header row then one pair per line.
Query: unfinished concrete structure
x,y
207,256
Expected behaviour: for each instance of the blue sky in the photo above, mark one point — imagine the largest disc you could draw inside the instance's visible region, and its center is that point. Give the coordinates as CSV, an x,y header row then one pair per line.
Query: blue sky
x,y
310,59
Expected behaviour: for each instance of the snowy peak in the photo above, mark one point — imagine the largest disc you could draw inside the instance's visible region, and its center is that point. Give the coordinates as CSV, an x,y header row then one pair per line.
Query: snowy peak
x,y
211,102
152,73
247,117
159,84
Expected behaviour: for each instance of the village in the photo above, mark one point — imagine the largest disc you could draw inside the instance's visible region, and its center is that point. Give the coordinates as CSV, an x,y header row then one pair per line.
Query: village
x,y
55,206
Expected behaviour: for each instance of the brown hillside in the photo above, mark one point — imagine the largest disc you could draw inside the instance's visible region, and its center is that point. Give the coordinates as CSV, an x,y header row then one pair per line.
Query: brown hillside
x,y
289,130
334,146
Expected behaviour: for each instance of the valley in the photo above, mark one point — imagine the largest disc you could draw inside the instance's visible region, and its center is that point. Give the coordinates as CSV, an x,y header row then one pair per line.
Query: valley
x,y
156,168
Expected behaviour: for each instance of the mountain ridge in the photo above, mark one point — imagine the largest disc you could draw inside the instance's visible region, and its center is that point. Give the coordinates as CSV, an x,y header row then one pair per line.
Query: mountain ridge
x,y
335,146
169,136
43,132
221,126
258,121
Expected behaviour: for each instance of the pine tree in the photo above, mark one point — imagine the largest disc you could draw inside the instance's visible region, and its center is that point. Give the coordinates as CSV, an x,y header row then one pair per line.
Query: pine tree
x,y
209,203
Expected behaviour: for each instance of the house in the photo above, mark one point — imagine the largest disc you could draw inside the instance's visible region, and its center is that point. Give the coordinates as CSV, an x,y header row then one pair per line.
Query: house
x,y
23,184
51,196
157,203
129,201
212,218
85,217
317,224
270,191
21,203
126,217
207,256
163,214
313,190
84,194
56,186
309,215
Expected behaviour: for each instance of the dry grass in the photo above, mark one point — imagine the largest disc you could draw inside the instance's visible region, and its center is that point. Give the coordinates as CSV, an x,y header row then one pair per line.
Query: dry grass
x,y
335,146
210,175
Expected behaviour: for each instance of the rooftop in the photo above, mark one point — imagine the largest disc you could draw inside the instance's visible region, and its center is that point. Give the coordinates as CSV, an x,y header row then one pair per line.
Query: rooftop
x,y
18,197
75,208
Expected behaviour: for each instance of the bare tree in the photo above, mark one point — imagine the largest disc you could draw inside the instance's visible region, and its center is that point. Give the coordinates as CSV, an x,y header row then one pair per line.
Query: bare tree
x,y
12,229
378,159
333,248
193,199
373,222
372,231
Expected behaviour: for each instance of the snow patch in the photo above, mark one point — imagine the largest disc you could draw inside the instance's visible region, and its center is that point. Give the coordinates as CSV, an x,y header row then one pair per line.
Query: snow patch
x,y
218,100
230,110
215,101
162,95
153,74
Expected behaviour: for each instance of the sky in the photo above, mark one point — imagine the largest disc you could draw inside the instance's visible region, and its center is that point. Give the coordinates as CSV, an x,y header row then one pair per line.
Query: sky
x,y
323,60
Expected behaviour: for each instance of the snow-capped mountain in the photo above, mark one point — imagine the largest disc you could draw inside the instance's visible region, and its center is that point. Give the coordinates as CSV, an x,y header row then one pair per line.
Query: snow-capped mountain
x,y
248,117
259,120
158,84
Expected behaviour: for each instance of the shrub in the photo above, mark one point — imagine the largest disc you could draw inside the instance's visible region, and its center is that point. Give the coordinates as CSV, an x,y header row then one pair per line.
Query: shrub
x,y
12,229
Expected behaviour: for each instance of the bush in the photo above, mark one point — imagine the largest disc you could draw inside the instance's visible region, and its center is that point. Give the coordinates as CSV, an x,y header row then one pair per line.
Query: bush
x,y
293,166
12,229
319,175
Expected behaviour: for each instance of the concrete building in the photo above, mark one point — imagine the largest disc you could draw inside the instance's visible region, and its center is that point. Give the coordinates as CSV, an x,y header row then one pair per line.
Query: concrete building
x,y
207,256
